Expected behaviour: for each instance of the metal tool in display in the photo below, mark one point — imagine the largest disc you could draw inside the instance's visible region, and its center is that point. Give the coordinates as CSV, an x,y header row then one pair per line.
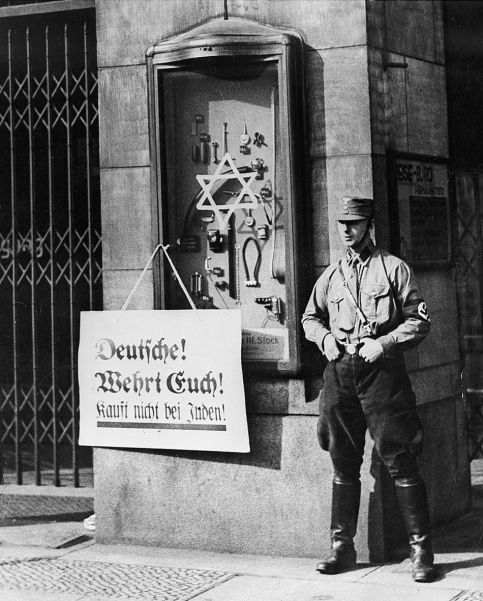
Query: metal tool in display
x,y
237,274
198,119
204,148
259,166
225,138
244,140
195,153
259,139
252,279
272,306
214,152
195,284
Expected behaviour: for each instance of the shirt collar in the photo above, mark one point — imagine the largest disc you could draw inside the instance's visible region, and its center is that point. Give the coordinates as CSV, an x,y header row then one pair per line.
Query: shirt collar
x,y
362,256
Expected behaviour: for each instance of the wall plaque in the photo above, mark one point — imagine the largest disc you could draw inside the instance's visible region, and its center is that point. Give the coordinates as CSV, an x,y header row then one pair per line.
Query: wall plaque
x,y
423,210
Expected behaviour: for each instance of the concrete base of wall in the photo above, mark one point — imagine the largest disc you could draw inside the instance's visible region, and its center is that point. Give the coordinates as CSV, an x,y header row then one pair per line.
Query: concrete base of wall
x,y
275,500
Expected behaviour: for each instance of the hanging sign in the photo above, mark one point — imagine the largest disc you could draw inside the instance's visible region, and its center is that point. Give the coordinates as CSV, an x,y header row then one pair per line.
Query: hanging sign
x,y
162,380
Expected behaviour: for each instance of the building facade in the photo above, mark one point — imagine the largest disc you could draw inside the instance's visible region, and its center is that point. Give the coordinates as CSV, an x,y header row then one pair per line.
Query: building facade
x,y
372,112
375,93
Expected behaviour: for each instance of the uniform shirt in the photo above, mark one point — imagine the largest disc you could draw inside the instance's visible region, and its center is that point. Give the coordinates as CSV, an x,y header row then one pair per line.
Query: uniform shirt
x,y
387,293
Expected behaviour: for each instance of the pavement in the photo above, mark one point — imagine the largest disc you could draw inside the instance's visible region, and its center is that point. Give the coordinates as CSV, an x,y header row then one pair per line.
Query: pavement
x,y
59,560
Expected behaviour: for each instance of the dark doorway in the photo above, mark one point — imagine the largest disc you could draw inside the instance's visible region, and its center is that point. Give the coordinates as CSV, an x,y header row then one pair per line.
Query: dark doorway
x,y
464,73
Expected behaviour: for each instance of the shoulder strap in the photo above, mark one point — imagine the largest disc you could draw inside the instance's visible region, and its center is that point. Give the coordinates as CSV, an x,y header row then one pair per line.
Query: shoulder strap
x,y
350,297
391,287
387,276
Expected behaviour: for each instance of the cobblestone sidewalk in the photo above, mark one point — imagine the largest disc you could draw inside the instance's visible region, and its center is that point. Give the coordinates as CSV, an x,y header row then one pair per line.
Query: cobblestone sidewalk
x,y
24,507
95,579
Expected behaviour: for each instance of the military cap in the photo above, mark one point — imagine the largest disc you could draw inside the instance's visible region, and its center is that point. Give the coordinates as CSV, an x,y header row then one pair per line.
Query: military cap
x,y
353,209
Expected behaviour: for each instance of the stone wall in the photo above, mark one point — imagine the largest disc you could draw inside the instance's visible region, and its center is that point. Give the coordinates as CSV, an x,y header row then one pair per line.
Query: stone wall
x,y
277,499
409,115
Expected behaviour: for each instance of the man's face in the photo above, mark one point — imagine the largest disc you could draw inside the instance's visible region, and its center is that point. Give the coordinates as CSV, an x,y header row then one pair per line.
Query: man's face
x,y
352,233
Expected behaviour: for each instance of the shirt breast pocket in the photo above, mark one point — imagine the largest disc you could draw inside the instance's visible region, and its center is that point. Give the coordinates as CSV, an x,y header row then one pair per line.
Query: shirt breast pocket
x,y
376,302
341,317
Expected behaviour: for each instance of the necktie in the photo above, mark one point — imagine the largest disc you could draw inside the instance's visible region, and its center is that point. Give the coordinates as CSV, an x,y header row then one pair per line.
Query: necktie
x,y
353,261
355,270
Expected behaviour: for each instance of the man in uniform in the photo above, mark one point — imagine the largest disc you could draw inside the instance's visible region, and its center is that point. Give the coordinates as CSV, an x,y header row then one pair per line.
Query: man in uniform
x,y
364,311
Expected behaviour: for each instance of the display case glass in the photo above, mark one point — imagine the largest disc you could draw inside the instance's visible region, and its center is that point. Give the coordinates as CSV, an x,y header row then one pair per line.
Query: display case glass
x,y
226,129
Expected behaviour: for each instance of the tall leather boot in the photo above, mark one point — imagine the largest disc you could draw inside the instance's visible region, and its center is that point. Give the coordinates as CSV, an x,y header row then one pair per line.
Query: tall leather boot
x,y
343,525
411,494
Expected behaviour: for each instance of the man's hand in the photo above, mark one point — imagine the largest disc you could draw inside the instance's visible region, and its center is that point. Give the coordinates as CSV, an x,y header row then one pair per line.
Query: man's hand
x,y
371,350
331,348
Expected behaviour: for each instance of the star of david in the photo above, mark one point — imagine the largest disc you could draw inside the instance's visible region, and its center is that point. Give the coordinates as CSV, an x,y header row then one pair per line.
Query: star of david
x,y
224,212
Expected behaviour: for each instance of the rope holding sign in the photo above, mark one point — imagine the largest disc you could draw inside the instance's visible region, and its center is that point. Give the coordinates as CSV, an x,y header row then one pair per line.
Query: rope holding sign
x,y
178,277
143,273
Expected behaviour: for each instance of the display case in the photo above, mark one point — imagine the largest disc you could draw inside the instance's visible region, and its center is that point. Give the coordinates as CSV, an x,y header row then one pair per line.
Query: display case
x,y
227,147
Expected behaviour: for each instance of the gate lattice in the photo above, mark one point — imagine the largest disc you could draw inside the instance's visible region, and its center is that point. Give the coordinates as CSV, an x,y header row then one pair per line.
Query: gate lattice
x,y
469,218
50,241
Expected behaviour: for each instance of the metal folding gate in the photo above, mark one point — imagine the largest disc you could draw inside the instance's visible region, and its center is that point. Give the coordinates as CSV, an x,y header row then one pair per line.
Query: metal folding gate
x,y
469,262
50,240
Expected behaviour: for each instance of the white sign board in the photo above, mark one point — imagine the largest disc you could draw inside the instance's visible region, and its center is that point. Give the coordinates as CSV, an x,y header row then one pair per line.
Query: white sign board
x,y
162,380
